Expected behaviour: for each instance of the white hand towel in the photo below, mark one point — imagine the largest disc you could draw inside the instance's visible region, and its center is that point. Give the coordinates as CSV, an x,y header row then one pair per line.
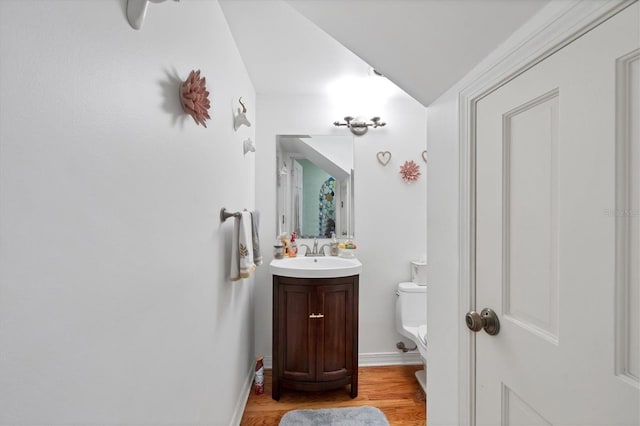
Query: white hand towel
x,y
235,255
242,265
255,239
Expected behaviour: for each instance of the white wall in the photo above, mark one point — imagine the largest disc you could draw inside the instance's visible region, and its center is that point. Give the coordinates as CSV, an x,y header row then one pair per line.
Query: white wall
x,y
115,307
442,245
390,216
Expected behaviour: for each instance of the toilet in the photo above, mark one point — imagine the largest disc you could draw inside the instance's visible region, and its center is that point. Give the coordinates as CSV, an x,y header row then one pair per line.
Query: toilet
x,y
411,313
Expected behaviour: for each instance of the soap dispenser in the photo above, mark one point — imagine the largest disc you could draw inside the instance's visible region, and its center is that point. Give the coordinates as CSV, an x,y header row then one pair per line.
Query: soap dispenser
x,y
333,246
293,247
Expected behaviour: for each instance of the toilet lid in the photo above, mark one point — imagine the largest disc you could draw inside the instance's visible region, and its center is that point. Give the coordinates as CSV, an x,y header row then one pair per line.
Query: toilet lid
x,y
422,333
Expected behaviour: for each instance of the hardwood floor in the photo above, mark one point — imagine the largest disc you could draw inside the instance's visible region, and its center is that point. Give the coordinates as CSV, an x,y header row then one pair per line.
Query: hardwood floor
x,y
392,389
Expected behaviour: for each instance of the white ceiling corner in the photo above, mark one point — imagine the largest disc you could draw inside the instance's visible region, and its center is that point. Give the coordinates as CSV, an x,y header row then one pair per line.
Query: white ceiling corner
x,y
284,52
423,46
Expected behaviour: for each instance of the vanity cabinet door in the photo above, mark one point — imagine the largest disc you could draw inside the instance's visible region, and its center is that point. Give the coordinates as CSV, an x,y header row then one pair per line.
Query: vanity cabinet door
x,y
335,331
297,340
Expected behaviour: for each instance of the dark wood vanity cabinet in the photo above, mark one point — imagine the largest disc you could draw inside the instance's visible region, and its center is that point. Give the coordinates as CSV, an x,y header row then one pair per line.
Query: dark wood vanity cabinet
x,y
315,334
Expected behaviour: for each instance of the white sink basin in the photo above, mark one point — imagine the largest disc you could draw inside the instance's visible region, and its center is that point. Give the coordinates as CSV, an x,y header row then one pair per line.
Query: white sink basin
x,y
315,267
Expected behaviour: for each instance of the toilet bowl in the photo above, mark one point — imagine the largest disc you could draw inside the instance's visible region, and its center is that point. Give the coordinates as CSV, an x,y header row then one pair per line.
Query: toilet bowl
x,y
411,319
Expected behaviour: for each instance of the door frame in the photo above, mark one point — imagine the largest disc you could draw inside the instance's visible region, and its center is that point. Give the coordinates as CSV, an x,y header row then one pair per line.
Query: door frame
x,y
554,27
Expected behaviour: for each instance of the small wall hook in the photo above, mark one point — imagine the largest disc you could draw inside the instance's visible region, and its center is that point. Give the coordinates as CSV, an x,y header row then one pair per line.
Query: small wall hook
x,y
241,118
248,146
136,12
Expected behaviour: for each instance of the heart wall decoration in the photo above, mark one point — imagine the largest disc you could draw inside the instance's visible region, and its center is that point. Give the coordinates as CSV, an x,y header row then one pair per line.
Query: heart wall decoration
x,y
383,157
424,155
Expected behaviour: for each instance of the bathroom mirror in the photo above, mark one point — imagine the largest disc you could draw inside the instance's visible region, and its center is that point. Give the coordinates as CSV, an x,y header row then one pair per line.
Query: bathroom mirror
x,y
315,185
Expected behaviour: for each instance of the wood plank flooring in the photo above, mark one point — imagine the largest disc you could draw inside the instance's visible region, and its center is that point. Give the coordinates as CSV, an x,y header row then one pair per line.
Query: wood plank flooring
x,y
392,389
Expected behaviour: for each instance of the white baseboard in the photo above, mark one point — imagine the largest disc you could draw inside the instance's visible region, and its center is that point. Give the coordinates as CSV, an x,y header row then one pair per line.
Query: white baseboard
x,y
389,358
238,410
375,358
268,362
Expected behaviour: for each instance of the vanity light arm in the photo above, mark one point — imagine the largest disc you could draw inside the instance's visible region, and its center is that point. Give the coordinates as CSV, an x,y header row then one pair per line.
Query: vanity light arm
x,y
377,122
360,124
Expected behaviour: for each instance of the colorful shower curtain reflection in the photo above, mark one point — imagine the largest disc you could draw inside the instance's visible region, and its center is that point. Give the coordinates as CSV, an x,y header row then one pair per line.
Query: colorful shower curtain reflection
x,y
327,208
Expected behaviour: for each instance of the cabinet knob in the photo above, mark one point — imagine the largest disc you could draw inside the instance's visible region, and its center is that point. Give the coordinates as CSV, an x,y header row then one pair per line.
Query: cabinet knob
x,y
316,316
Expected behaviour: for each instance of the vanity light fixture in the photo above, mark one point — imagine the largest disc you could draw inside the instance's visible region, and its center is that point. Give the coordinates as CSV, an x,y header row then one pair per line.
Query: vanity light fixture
x,y
359,126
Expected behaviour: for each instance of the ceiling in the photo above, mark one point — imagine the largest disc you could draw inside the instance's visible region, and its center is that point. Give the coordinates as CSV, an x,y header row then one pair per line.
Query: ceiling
x,y
423,46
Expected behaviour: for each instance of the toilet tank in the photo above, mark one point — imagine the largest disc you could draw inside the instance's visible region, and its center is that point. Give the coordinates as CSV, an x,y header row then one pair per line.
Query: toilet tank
x,y
411,305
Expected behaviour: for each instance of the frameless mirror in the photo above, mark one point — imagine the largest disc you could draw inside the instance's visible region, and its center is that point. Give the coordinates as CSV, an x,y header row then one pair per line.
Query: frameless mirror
x,y
315,185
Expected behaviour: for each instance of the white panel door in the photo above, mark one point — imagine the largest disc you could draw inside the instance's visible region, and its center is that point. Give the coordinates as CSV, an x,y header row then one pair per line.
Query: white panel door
x,y
557,236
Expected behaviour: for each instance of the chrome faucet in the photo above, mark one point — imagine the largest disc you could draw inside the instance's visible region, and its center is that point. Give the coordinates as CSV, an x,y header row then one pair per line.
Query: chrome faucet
x,y
314,251
307,252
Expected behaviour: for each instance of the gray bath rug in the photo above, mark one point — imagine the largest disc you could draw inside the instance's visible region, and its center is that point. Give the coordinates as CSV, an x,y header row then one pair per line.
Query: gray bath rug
x,y
350,416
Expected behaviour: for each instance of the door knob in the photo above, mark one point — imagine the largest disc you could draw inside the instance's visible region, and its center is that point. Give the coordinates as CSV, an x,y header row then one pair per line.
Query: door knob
x,y
486,319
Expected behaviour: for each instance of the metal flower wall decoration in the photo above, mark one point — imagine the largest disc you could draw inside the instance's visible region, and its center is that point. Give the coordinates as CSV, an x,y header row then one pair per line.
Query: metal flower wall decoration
x,y
195,97
409,171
